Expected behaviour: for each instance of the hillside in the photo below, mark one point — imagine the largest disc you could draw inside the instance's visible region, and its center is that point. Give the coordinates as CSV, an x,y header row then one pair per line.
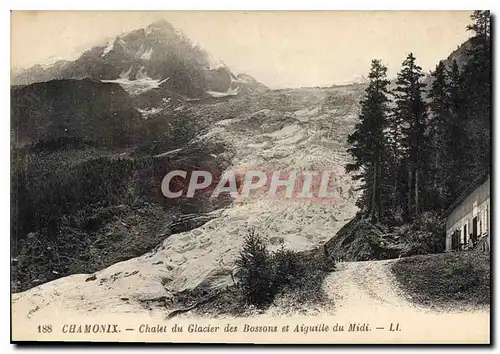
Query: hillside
x,y
85,181
446,281
89,149
459,55
61,109
303,129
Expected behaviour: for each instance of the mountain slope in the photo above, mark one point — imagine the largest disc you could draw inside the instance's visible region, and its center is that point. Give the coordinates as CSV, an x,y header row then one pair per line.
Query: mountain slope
x,y
459,55
91,110
302,129
142,60
85,181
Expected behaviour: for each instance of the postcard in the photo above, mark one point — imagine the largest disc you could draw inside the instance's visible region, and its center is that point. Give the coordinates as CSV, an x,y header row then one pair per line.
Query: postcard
x,y
317,177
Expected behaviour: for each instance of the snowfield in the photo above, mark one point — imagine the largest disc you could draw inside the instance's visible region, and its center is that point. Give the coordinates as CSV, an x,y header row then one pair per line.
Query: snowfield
x,y
141,84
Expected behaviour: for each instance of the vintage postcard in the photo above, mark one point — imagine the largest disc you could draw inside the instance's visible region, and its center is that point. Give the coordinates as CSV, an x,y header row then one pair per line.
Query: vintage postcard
x,y
316,177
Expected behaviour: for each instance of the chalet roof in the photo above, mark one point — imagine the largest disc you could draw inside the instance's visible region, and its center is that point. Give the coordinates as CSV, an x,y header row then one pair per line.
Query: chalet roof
x,y
470,188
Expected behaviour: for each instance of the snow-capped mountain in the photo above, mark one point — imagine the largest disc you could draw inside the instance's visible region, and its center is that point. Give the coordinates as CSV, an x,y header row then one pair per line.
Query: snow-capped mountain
x,y
158,55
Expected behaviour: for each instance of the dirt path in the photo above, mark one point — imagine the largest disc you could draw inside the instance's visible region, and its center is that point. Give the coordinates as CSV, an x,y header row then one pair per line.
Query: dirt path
x,y
366,286
365,294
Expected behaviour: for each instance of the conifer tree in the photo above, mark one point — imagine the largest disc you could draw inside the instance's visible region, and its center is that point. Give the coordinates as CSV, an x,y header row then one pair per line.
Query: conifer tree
x,y
410,110
459,145
476,85
481,23
440,141
367,141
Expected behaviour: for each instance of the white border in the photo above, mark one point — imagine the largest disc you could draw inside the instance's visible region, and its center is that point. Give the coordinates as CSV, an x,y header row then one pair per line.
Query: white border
x,y
252,5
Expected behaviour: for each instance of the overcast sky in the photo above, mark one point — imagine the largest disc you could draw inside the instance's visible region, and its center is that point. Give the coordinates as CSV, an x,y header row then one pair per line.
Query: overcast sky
x,y
281,49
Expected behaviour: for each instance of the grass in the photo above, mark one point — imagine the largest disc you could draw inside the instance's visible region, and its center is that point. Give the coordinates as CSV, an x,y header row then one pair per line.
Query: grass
x,y
456,280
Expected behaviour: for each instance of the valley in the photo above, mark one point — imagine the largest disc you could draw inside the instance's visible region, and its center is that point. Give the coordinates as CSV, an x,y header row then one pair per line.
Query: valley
x,y
96,232
278,130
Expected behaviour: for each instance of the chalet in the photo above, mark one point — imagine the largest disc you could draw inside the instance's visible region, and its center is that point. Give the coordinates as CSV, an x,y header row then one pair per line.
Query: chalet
x,y
468,218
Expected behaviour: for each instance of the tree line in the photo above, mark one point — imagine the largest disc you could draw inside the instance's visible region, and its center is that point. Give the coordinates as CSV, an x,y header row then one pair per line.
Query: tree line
x,y
418,145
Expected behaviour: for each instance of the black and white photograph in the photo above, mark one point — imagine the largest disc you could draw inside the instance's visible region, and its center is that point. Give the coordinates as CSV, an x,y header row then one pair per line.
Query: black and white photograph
x,y
293,177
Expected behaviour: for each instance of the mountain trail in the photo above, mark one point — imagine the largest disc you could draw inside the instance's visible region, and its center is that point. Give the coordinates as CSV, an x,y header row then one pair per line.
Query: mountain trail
x,y
368,286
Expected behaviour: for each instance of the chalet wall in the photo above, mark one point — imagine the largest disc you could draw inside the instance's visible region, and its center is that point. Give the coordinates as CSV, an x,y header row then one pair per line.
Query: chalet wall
x,y
476,204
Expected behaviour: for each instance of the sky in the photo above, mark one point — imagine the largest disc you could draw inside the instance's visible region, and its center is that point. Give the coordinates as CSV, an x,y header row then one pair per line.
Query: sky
x,y
280,49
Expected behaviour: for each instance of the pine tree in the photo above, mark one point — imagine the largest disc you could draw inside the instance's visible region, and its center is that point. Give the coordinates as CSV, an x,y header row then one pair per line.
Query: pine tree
x,y
481,25
411,112
440,142
255,268
476,84
367,141
459,147
395,169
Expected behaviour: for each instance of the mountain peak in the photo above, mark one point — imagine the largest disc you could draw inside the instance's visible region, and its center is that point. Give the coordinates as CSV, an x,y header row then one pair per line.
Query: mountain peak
x,y
140,60
161,24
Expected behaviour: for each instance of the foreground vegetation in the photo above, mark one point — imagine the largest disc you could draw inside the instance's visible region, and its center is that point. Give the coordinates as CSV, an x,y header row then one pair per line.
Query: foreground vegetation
x,y
447,280
361,240
291,280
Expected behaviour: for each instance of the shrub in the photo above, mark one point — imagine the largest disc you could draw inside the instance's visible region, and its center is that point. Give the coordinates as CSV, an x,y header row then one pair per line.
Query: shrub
x,y
360,240
255,269
286,268
306,283
423,236
263,275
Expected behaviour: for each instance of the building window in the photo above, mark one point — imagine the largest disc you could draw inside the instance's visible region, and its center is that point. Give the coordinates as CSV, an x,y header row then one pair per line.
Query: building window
x,y
464,237
474,230
455,240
